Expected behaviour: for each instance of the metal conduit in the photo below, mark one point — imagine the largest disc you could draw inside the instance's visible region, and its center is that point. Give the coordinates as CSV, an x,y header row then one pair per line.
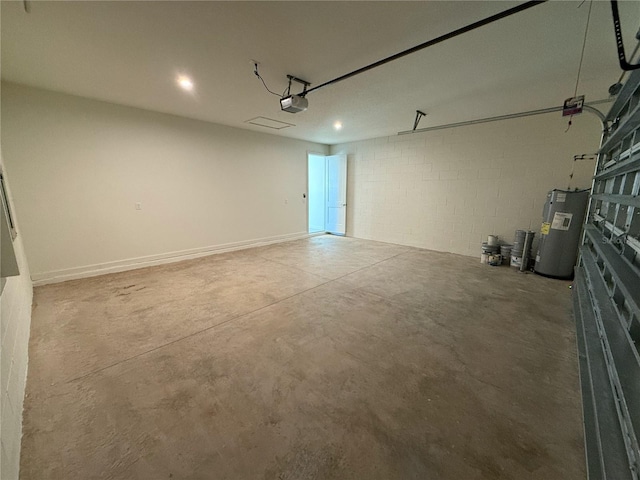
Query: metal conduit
x,y
588,107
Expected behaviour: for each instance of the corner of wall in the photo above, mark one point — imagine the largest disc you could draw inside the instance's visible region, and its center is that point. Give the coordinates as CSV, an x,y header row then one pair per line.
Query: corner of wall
x,y
15,318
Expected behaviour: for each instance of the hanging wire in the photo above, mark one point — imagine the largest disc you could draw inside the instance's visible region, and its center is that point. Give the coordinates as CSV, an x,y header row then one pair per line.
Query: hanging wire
x,y
255,70
584,44
569,124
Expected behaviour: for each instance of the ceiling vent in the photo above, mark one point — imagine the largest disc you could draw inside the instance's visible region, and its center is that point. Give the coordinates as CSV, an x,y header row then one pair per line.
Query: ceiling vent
x,y
269,123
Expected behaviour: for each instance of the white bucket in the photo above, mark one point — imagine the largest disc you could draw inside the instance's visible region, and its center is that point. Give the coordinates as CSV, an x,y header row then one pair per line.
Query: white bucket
x,y
492,240
516,261
494,260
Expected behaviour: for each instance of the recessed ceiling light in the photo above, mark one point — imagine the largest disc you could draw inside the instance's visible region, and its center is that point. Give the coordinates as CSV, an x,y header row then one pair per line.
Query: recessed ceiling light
x,y
337,125
185,82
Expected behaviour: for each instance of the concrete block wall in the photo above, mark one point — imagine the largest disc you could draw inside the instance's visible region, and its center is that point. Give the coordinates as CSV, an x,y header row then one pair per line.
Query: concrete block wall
x,y
447,190
15,321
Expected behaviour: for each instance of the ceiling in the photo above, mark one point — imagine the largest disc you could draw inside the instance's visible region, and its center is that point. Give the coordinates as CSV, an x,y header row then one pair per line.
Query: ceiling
x,y
131,52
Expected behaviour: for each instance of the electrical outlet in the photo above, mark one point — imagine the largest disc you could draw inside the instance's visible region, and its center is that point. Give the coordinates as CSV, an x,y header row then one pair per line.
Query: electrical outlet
x,y
138,206
286,200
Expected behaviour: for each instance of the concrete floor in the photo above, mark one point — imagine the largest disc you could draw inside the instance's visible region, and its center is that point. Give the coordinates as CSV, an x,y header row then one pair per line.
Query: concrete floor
x,y
326,358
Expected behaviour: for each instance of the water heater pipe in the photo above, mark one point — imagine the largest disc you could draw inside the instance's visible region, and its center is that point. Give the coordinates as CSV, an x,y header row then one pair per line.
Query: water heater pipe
x,y
528,240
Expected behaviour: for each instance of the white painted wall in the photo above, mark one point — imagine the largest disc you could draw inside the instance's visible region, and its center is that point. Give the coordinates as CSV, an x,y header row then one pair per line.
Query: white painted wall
x,y
447,190
15,321
79,166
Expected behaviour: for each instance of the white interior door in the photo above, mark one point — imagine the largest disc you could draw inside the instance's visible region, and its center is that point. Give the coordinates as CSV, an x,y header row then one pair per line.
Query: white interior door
x,y
316,192
336,219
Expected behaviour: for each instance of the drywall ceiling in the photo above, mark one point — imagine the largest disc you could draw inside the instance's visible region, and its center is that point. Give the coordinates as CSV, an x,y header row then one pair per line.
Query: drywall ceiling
x,y
130,53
